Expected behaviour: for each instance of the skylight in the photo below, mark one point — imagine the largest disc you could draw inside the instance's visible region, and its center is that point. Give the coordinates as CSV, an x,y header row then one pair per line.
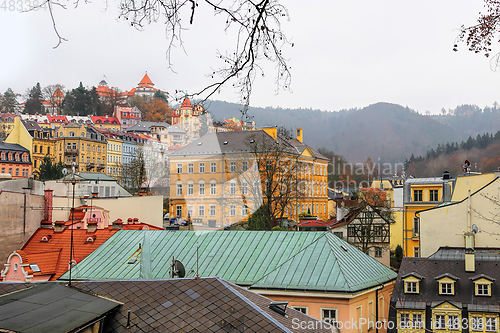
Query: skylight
x,y
34,267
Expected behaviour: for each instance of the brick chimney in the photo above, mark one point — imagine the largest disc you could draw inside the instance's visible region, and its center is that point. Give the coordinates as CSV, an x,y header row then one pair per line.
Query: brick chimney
x,y
118,224
47,209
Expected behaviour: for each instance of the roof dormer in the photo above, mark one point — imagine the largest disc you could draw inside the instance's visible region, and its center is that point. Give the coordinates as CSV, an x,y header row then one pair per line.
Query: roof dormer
x,y
446,283
482,284
412,283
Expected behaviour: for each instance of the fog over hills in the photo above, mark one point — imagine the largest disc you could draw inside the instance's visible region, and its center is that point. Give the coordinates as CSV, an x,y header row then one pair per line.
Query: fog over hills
x,y
384,132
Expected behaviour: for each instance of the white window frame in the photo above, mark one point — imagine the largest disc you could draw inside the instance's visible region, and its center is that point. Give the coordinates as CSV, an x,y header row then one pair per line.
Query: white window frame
x,y
232,188
244,166
213,189
190,167
329,319
213,167
213,210
190,189
232,166
201,189
179,189
201,167
201,210
232,210
179,168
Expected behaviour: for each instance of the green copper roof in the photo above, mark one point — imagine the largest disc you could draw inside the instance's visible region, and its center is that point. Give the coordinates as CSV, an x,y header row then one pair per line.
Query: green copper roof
x,y
273,259
328,264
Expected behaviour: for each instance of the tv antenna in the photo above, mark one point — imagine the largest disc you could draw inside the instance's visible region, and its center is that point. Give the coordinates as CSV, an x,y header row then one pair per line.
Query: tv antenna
x,y
177,269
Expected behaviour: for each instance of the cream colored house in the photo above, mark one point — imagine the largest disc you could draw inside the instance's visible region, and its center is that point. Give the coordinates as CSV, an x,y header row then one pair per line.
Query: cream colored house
x,y
446,224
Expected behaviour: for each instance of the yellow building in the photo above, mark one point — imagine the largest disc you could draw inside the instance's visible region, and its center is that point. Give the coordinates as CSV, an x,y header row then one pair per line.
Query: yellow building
x,y
107,122
39,141
114,153
443,293
421,194
218,179
6,123
82,146
476,214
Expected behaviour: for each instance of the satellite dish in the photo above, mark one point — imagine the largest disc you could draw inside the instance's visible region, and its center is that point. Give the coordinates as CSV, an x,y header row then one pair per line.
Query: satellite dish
x,y
475,229
177,269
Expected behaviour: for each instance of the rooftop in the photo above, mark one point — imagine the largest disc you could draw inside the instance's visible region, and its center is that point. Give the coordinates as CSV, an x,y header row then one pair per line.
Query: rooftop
x,y
264,258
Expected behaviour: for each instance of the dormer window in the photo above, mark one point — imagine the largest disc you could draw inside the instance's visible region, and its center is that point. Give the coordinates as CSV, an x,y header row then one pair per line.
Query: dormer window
x,y
482,284
412,283
447,284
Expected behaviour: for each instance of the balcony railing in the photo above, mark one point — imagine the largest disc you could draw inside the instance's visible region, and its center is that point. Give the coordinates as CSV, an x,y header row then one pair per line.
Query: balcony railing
x,y
71,151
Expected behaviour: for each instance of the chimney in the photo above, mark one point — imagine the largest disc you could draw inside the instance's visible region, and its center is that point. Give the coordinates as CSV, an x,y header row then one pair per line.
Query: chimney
x,y
300,135
118,224
47,207
136,220
470,260
59,226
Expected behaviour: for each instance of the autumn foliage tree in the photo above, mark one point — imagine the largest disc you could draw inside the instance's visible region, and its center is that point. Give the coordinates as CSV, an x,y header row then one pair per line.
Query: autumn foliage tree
x,y
153,109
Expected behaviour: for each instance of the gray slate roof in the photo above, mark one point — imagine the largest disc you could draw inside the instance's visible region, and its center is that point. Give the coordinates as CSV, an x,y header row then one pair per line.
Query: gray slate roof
x,y
50,307
232,142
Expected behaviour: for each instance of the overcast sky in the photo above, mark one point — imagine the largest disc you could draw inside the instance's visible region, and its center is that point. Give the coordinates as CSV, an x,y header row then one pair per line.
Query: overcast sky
x,y
347,54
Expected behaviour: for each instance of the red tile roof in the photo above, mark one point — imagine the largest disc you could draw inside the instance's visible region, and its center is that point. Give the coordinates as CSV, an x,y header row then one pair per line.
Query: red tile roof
x,y
54,254
57,119
58,93
105,120
146,81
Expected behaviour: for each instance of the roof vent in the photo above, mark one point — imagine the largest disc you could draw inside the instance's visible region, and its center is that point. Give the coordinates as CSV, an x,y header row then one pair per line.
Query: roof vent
x,y
279,307
132,261
200,143
252,141
225,142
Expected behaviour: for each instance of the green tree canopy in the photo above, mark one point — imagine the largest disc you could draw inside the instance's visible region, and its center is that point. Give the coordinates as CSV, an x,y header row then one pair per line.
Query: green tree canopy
x,y
260,219
49,171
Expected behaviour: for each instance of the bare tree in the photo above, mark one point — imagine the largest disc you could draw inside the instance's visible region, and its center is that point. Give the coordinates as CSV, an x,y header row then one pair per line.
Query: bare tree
x,y
259,36
274,176
49,94
134,173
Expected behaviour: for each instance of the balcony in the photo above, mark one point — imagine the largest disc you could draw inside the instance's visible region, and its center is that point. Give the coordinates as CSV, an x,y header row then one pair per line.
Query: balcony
x,y
71,151
100,166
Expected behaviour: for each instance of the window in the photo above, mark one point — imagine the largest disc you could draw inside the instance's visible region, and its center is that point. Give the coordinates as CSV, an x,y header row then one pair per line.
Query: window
x,y
416,222
244,210
190,167
244,188
440,322
417,195
201,189
378,252
232,188
491,324
433,195
483,289
411,287
74,145
417,321
190,211
244,166
416,251
201,210
213,189
329,315
178,210
179,167
36,149
68,145
232,210
179,189
213,167
477,323
212,210
446,289
232,166
302,309
202,167
453,323
190,189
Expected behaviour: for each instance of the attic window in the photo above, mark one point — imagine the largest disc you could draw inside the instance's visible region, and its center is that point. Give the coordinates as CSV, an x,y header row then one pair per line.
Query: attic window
x,y
44,239
34,267
279,307
89,240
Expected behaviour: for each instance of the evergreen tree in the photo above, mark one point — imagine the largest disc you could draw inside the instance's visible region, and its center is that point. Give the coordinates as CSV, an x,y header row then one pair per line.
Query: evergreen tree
x,y
34,100
8,101
260,219
49,171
